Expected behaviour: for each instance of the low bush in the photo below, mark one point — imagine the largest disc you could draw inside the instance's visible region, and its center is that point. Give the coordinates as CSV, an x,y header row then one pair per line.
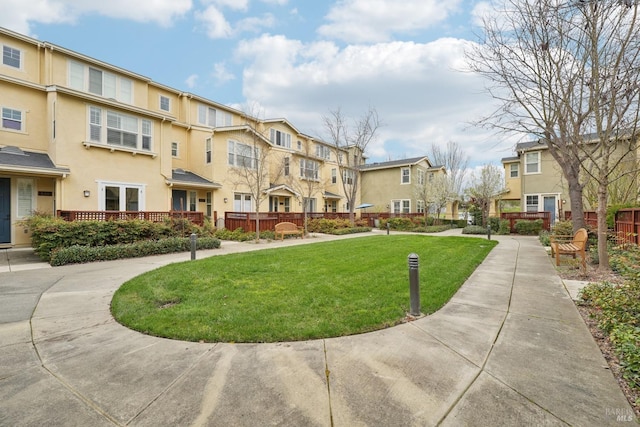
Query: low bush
x,y
77,254
474,229
528,227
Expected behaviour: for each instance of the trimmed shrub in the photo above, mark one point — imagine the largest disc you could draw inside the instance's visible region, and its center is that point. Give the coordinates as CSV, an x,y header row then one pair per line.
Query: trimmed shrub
x,y
528,227
474,229
77,254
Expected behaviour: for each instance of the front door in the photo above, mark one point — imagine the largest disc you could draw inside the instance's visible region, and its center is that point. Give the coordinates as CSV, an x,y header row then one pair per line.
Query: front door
x,y
179,200
550,206
5,210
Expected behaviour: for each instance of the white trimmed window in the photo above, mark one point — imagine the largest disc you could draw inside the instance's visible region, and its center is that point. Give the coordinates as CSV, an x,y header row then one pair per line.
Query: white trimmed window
x,y
309,169
12,119
116,196
165,103
102,83
533,202
174,149
287,165
242,202
401,206
279,138
421,177
334,176
405,176
114,128
514,170
323,151
26,196
207,150
211,117
348,176
532,162
11,57
242,155
420,206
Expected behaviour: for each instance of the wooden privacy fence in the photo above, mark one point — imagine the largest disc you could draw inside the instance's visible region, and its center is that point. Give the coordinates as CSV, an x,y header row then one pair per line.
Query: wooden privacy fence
x,y
154,216
268,220
627,225
512,217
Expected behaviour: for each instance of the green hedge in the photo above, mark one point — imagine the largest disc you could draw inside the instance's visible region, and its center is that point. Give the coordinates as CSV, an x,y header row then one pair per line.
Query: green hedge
x,y
528,227
77,254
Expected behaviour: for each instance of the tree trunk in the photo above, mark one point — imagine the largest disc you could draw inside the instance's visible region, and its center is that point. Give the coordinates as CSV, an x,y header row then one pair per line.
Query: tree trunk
x,y
257,225
603,251
577,207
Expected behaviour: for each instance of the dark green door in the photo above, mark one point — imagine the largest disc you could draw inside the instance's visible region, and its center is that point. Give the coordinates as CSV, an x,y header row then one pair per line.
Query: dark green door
x,y
5,210
179,200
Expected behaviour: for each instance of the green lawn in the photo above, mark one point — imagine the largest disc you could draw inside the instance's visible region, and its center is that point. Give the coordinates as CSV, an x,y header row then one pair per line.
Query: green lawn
x,y
295,293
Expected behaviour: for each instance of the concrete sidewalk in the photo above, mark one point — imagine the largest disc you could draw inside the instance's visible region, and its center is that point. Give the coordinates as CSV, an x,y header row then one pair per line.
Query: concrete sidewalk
x,y
509,349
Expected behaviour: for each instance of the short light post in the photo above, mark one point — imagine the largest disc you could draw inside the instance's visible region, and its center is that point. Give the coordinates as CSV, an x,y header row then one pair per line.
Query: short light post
x,y
488,232
414,284
388,227
193,237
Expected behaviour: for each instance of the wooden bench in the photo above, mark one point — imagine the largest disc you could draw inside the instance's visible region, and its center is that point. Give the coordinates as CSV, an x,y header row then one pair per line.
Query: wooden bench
x,y
570,245
283,228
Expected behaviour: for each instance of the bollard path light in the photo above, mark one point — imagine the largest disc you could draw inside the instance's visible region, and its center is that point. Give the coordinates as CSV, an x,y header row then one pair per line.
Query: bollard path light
x,y
488,232
414,284
193,246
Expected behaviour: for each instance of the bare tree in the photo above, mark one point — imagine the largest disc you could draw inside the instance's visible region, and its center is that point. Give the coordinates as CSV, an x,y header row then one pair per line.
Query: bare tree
x,y
566,72
307,182
251,160
485,187
455,162
350,142
435,193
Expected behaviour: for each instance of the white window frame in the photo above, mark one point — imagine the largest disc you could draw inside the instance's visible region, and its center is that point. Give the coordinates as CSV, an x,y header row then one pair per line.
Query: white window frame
x,y
528,206
164,102
323,152
237,151
242,202
513,169
334,176
101,121
110,85
527,163
405,176
280,138
401,206
422,177
212,117
287,166
420,206
309,169
208,153
25,197
122,197
10,112
348,176
175,149
8,53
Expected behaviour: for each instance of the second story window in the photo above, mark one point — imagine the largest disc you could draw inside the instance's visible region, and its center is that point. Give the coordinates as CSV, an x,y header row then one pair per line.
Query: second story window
x,y
165,103
309,169
174,149
348,176
99,82
532,162
12,119
242,155
11,57
514,170
421,177
121,129
286,166
281,139
334,176
405,176
207,150
211,117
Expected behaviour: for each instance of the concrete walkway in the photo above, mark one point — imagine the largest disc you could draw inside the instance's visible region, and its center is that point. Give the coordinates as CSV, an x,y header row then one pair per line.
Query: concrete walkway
x,y
509,349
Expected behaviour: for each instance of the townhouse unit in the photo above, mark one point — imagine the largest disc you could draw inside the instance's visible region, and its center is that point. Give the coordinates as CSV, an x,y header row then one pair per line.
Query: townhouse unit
x,y
396,186
79,134
535,182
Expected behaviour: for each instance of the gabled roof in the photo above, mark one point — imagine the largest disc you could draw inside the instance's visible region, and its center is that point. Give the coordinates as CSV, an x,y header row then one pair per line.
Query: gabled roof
x,y
274,188
190,179
394,163
329,195
244,128
510,159
14,159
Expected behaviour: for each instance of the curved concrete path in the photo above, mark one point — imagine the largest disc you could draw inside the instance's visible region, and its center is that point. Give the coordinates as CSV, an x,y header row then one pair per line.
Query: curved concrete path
x,y
509,349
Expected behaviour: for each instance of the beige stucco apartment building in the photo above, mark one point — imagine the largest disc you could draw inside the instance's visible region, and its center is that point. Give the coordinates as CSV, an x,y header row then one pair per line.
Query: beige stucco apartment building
x,y
80,134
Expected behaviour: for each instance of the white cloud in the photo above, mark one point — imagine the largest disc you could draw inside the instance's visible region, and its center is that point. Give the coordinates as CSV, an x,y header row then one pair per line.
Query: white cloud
x,y
215,24
360,21
415,88
221,74
191,81
20,15
230,4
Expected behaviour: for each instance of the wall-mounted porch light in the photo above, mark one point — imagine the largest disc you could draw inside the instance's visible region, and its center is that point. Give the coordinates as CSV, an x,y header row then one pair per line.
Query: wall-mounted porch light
x,y
86,193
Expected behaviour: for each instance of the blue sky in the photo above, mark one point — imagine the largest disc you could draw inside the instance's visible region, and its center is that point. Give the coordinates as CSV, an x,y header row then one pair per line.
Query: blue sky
x,y
295,59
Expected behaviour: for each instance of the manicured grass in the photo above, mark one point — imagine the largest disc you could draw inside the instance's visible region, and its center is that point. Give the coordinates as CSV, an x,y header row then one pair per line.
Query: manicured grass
x,y
294,293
